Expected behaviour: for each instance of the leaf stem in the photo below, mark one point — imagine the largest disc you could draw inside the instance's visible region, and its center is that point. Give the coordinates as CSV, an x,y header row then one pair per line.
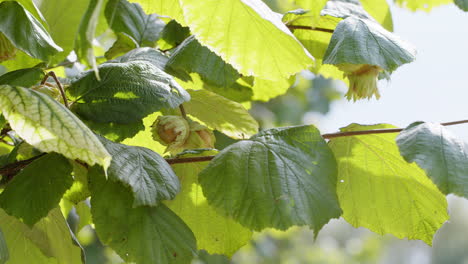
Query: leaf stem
x,y
311,28
59,85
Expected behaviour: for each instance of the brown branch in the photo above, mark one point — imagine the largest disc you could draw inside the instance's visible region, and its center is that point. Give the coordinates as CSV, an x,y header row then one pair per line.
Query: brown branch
x,y
381,131
59,85
12,169
190,159
182,111
311,28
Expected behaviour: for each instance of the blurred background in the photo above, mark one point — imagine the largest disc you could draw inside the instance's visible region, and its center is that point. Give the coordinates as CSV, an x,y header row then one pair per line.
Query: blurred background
x,y
430,89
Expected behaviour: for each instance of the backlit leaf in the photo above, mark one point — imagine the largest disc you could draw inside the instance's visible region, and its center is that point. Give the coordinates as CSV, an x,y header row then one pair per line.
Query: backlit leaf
x,y
379,190
272,54
232,119
214,232
49,126
49,241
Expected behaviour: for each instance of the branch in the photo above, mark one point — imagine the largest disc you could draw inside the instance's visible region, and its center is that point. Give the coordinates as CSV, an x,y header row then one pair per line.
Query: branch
x,y
182,111
59,85
381,131
190,159
311,28
10,170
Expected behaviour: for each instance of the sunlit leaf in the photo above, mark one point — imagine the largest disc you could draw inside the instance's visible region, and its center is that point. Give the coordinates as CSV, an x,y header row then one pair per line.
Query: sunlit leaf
x,y
272,54
49,126
232,119
49,241
425,5
379,190
214,232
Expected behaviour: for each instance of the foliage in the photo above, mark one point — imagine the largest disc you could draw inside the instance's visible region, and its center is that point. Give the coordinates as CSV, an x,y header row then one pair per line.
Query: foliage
x,y
176,73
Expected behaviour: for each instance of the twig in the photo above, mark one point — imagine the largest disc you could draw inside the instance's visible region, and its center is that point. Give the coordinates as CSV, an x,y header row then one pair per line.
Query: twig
x,y
2,140
59,85
190,159
182,111
10,170
381,131
311,28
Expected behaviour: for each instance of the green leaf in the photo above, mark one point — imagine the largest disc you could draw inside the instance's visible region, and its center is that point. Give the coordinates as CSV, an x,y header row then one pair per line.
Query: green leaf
x,y
358,41
24,77
123,44
315,41
21,61
205,258
264,90
437,151
150,55
214,232
273,53
231,118
49,126
172,35
84,213
379,190
124,17
167,239
144,138
191,57
380,11
30,5
425,5
462,4
127,92
279,178
63,19
86,33
168,8
313,7
37,189
49,241
79,190
375,10
4,255
33,38
148,174
115,131
3,122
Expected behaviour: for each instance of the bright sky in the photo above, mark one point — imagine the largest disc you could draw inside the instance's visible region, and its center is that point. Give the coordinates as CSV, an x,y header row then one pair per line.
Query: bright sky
x,y
434,88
